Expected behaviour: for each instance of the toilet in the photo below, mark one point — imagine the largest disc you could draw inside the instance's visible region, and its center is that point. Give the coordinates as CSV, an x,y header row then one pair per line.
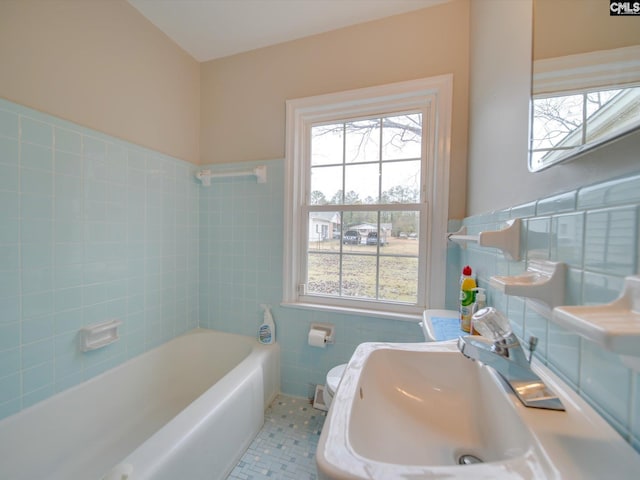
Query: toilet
x,y
333,380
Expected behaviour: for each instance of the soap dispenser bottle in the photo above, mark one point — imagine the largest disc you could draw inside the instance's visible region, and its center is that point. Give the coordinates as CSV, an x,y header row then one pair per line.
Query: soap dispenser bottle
x,y
467,297
267,331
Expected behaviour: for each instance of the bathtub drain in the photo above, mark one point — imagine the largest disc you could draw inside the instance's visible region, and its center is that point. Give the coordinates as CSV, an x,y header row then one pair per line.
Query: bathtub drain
x,y
468,459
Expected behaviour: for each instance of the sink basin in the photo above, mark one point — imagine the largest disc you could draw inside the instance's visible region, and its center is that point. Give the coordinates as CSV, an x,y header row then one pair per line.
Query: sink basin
x,y
415,411
434,411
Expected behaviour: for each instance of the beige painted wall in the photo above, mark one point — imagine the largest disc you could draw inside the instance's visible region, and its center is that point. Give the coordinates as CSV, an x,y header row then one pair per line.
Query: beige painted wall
x,y
499,89
243,96
567,27
101,64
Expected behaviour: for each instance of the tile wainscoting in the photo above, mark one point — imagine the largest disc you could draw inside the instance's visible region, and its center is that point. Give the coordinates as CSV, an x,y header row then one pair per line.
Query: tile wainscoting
x,y
594,230
91,228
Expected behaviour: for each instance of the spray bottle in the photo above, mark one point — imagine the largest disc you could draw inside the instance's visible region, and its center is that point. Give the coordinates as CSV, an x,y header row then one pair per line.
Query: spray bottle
x,y
267,331
480,303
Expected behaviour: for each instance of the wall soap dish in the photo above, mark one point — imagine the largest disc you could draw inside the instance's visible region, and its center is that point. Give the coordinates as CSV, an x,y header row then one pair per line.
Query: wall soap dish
x,y
507,239
99,335
543,280
615,326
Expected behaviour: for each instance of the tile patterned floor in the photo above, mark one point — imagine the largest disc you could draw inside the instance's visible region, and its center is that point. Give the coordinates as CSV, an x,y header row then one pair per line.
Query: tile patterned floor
x,y
285,447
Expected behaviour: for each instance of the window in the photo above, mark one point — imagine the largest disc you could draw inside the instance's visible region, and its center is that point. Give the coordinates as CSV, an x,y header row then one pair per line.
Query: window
x,y
366,206
562,123
582,101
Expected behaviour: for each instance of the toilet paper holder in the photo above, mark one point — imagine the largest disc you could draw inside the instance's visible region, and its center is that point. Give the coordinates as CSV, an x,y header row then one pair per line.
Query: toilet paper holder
x,y
327,328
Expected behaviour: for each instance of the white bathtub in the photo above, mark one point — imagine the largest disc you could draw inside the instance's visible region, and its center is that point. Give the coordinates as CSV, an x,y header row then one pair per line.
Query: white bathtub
x,y
185,410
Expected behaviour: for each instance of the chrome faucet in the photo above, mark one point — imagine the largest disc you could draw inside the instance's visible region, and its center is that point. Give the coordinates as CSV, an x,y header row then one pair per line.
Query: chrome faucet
x,y
500,349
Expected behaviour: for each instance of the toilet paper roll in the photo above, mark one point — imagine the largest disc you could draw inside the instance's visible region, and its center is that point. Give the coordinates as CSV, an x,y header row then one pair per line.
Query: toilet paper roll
x,y
317,338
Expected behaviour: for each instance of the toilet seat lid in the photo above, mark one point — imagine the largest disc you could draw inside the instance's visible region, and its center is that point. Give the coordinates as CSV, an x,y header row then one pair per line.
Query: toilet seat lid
x,y
334,376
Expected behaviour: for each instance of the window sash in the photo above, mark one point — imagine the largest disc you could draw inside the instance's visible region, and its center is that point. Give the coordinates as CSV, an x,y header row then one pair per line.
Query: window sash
x,y
379,207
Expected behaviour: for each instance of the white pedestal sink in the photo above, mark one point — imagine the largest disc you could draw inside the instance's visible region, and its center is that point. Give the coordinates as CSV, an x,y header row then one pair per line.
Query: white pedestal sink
x,y
412,411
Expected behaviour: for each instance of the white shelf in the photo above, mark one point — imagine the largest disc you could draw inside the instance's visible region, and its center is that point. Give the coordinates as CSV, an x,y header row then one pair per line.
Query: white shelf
x,y
543,280
507,239
615,326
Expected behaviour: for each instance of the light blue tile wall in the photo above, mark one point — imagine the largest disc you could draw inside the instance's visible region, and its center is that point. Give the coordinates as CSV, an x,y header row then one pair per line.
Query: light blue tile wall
x,y
241,238
595,231
94,228
91,228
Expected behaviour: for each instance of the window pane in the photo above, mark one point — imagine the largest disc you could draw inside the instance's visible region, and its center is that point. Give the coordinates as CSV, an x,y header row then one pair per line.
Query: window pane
x,y
404,232
401,182
324,231
363,241
326,185
359,276
554,121
361,184
402,137
327,144
356,226
323,274
399,279
363,141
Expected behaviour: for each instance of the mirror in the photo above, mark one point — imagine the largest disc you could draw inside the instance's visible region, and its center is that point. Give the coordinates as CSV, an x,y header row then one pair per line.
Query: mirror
x,y
586,79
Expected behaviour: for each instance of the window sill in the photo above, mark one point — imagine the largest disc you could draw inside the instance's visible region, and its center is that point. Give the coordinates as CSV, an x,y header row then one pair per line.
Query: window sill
x,y
405,317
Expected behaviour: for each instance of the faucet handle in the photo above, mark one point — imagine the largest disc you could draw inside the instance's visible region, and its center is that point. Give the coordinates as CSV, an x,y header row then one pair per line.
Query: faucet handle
x,y
491,324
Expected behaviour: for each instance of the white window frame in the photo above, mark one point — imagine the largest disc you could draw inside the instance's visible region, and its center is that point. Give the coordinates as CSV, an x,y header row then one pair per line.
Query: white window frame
x,y
432,95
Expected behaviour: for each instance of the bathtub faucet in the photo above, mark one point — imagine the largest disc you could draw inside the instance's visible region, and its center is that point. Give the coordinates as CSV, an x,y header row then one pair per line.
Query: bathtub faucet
x,y
500,349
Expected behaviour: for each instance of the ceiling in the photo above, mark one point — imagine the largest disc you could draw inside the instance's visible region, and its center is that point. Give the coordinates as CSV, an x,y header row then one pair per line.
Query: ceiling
x,y
209,29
